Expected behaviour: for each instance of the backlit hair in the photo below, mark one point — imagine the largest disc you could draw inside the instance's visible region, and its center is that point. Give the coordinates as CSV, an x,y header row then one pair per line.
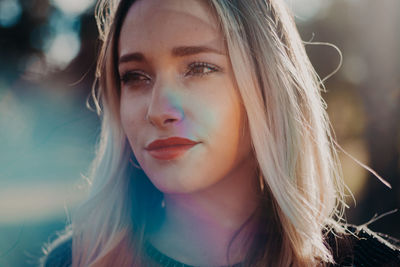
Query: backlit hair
x,y
290,134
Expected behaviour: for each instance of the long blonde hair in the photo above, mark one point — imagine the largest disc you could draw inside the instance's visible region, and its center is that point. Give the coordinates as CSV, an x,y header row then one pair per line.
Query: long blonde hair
x,y
290,133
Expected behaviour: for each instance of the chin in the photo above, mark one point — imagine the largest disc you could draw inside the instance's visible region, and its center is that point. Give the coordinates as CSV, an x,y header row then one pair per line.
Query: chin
x,y
180,185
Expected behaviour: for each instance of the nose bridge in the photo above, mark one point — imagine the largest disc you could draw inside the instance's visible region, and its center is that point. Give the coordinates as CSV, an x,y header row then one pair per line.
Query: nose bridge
x,y
165,104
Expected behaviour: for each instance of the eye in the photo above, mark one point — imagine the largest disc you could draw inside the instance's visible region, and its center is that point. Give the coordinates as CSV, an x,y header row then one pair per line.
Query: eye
x,y
135,78
200,69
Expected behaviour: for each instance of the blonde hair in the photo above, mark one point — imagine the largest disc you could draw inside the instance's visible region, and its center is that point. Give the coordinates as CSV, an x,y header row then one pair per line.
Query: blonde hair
x,y
290,134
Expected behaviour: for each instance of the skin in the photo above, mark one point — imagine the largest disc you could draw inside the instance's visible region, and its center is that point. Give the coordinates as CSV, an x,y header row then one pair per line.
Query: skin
x,y
210,190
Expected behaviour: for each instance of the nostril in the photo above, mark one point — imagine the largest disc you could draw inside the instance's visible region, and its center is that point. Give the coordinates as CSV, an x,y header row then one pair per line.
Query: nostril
x,y
169,120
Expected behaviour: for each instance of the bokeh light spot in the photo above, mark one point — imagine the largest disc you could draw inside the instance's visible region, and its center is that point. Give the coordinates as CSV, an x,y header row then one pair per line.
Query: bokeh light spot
x,y
355,69
73,7
62,49
306,10
10,12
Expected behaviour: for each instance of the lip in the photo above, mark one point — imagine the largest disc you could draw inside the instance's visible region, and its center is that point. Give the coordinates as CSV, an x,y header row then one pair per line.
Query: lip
x,y
170,148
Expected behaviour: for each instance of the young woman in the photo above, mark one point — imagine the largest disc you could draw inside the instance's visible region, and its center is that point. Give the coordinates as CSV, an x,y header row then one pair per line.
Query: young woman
x,y
215,147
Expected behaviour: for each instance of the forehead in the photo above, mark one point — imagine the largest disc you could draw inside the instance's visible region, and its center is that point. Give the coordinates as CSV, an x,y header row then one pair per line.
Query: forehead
x,y
164,23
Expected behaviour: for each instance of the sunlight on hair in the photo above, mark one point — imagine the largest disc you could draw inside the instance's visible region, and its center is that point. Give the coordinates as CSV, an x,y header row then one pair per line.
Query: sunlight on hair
x,y
73,7
63,48
10,12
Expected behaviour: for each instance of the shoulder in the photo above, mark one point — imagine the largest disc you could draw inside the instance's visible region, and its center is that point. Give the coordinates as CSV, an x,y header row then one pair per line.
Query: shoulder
x,y
58,253
359,246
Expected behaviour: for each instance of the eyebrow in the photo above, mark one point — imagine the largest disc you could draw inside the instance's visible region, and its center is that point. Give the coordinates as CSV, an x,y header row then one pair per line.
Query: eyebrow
x,y
180,51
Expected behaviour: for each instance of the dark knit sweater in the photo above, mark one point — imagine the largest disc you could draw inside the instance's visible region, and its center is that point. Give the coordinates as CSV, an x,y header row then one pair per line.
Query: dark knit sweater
x,y
360,248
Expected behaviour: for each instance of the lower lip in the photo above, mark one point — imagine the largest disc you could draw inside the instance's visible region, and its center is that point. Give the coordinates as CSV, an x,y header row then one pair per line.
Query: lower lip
x,y
168,153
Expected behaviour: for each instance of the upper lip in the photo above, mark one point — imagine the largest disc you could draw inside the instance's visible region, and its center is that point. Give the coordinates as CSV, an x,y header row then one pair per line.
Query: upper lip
x,y
172,141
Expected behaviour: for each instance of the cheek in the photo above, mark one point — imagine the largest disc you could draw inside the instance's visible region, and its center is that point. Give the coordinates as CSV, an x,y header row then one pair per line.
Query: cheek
x,y
222,118
217,105
130,112
228,129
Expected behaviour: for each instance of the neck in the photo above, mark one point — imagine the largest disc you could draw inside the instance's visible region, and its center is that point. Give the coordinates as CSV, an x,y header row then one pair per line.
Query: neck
x,y
199,226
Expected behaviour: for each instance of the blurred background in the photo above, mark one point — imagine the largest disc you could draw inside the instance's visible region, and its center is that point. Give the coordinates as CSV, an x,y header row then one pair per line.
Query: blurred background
x,y
48,135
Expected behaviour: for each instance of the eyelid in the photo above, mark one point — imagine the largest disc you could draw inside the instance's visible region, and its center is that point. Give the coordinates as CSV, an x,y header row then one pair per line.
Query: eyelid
x,y
123,75
211,66
134,72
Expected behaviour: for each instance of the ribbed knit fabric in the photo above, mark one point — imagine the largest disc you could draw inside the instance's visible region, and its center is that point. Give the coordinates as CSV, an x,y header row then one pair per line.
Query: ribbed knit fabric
x,y
164,260
359,248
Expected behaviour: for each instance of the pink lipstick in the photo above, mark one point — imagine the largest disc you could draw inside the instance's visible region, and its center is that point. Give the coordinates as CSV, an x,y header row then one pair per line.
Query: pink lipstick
x,y
170,148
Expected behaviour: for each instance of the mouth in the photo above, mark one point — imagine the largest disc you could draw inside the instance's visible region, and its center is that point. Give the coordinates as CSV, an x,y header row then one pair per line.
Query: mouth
x,y
170,148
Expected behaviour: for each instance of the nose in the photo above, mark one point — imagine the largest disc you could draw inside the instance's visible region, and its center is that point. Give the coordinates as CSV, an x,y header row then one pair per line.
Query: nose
x,y
165,108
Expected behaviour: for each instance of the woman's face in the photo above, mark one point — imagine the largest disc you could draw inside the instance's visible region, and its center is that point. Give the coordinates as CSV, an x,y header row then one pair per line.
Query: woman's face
x,y
176,81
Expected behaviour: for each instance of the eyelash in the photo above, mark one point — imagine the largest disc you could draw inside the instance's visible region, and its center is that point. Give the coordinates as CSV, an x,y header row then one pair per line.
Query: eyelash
x,y
130,76
193,65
